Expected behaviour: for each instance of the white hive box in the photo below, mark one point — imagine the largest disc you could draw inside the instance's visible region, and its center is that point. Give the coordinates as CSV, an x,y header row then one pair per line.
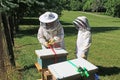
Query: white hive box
x,y
66,71
47,56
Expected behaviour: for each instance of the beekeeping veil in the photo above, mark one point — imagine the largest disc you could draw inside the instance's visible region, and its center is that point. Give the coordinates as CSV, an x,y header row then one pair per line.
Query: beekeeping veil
x,y
81,23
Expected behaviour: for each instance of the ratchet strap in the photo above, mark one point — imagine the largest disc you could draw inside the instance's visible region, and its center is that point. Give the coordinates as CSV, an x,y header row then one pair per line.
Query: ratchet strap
x,y
82,71
55,55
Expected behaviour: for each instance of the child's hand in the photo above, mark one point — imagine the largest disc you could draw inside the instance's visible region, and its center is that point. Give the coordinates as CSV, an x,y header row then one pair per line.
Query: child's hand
x,y
84,56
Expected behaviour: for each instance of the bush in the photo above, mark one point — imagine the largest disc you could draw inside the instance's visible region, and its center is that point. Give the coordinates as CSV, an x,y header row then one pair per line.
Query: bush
x,y
87,6
75,5
113,8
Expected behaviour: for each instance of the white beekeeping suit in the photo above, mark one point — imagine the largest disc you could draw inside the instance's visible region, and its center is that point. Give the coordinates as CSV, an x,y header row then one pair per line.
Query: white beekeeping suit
x,y
50,29
84,36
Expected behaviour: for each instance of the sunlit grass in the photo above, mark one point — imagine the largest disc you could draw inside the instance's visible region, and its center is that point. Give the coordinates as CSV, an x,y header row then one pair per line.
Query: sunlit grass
x,y
104,51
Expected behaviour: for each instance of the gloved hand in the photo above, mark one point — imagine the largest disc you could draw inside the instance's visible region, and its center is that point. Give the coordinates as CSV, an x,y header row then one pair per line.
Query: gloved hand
x,y
84,56
46,44
51,41
54,40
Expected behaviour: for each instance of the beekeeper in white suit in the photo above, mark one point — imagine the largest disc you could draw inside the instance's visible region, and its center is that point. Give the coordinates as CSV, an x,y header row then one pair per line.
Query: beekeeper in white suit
x,y
84,36
51,32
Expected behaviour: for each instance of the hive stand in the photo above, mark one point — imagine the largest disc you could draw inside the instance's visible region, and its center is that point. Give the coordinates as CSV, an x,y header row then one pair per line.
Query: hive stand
x,y
45,74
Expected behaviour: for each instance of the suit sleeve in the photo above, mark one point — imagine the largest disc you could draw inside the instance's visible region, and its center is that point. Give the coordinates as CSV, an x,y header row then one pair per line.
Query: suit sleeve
x,y
40,36
87,42
60,34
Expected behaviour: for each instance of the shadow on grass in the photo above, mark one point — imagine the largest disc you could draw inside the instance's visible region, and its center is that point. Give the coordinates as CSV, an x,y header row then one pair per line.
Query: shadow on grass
x,y
36,22
65,23
27,32
72,31
27,67
103,71
69,29
30,44
103,29
29,22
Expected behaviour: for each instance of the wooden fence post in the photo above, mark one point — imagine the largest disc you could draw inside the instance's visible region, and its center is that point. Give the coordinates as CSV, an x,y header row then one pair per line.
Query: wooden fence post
x,y
7,62
2,67
8,37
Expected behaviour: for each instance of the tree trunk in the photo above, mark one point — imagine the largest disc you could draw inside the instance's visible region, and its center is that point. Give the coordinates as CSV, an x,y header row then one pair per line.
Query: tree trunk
x,y
11,23
8,38
2,65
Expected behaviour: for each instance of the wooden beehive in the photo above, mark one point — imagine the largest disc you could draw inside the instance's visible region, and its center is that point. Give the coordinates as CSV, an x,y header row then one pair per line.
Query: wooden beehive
x,y
66,71
46,57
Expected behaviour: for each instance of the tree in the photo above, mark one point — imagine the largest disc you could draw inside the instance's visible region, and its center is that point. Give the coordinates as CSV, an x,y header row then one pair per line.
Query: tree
x,y
76,5
113,8
87,5
94,5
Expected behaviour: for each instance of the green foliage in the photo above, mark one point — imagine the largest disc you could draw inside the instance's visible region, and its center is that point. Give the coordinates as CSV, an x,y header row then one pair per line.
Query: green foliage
x,y
37,7
94,5
113,8
110,7
75,5
31,7
65,4
7,5
117,10
87,5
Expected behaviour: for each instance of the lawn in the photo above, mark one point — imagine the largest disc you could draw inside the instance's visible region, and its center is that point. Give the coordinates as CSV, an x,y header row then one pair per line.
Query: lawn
x,y
104,51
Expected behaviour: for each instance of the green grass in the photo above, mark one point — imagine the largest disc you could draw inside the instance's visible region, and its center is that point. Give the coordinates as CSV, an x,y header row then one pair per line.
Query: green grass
x,y
104,51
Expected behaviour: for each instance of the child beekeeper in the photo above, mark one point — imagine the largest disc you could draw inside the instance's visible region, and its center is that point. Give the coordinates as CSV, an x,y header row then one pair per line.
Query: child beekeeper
x,y
50,32
84,36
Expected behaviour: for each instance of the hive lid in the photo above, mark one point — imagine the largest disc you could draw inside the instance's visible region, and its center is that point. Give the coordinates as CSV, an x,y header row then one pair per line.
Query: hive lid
x,y
45,53
66,70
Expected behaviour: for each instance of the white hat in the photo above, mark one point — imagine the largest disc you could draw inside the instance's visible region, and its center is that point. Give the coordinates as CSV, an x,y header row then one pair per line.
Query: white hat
x,y
48,17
